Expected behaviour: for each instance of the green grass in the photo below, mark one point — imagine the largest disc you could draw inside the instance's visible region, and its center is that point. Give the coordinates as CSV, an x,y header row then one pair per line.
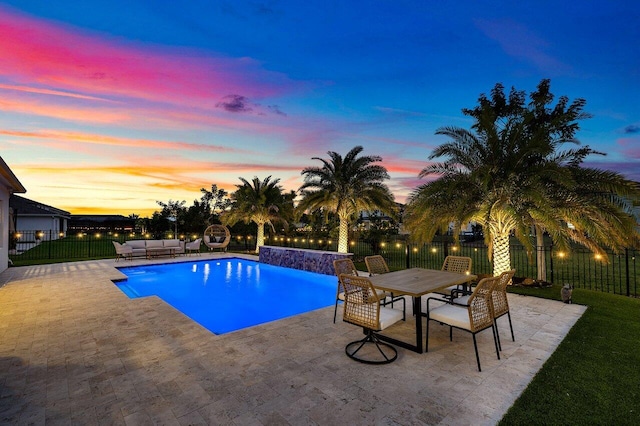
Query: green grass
x,y
594,375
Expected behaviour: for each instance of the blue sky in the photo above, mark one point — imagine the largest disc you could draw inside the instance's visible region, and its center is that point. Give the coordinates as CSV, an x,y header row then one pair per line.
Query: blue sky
x,y
106,107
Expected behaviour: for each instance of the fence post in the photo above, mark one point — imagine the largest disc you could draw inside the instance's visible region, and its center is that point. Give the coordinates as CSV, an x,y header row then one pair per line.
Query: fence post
x,y
407,253
626,266
550,260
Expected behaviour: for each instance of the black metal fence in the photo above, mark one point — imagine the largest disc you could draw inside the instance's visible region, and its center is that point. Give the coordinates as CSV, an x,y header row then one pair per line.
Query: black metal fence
x,y
618,274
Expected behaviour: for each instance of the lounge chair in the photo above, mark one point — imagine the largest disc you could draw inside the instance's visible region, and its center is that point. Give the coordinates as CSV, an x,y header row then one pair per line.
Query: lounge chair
x,y
122,251
193,246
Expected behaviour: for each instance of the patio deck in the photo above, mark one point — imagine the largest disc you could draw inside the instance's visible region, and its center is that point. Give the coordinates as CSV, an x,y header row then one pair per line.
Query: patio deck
x,y
74,349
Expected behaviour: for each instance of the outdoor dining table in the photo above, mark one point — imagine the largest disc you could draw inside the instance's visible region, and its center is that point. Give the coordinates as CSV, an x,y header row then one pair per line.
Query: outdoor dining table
x,y
416,282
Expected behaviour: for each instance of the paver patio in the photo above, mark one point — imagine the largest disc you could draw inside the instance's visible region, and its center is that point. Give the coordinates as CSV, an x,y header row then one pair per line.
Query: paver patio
x,y
76,350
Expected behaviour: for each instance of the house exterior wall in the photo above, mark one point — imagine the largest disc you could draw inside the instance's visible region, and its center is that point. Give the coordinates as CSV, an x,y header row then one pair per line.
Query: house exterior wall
x,y
48,225
4,227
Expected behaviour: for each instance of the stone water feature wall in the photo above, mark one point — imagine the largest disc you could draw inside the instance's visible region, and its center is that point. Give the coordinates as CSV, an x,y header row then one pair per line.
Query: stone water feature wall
x,y
304,259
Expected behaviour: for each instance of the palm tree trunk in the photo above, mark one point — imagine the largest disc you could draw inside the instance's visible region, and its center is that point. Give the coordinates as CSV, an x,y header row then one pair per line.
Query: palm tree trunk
x,y
540,255
501,254
260,236
343,236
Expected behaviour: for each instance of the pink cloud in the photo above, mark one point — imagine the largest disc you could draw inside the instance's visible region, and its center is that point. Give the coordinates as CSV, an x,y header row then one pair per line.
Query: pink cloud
x,y
36,51
630,146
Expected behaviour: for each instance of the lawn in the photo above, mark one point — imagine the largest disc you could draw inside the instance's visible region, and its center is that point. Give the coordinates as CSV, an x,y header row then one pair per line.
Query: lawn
x,y
594,375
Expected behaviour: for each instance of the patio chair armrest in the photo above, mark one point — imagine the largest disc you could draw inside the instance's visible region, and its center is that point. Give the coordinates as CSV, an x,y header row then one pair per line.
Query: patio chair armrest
x,y
438,299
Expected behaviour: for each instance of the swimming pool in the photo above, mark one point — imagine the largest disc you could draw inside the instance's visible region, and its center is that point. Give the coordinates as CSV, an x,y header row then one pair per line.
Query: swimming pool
x,y
225,295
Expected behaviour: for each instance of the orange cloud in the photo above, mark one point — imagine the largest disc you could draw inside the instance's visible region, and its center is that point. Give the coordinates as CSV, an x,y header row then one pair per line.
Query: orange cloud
x,y
117,141
51,92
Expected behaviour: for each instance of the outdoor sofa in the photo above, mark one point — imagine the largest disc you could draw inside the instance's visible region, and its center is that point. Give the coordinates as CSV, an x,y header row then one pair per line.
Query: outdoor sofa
x,y
140,247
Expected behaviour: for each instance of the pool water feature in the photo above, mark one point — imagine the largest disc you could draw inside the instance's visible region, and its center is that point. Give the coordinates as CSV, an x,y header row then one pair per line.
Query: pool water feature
x,y
225,295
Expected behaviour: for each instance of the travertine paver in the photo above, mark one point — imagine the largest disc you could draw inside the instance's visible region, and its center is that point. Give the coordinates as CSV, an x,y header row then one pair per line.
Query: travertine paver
x,y
75,350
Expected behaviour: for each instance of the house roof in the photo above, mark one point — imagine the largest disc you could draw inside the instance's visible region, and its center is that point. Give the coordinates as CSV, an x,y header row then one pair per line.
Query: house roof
x,y
99,218
25,207
12,181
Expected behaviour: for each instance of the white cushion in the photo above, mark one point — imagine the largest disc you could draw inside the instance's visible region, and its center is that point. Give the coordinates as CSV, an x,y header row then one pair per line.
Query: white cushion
x,y
136,244
154,243
389,316
432,303
171,243
456,316
463,300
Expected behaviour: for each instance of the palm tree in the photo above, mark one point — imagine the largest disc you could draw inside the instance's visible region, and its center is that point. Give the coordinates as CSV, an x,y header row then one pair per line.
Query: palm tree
x,y
510,176
256,201
346,186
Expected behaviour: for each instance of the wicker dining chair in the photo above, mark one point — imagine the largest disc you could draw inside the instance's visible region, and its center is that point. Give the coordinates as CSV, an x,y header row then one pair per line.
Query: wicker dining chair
x,y
362,308
474,317
342,266
376,265
459,265
501,303
346,266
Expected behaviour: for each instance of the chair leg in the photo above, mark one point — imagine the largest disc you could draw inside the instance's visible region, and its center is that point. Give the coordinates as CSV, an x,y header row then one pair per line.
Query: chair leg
x,y
511,326
335,312
450,334
497,332
496,341
371,338
475,346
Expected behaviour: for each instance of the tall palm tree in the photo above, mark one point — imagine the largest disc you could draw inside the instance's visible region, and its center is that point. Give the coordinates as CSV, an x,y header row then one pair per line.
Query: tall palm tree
x,y
510,175
346,186
256,201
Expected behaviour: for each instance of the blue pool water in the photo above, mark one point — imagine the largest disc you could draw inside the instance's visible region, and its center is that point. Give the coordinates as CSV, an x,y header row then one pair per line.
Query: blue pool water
x,y
224,295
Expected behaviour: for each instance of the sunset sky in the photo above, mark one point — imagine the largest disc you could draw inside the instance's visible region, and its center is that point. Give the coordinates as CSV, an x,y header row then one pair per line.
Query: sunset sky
x,y
109,106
